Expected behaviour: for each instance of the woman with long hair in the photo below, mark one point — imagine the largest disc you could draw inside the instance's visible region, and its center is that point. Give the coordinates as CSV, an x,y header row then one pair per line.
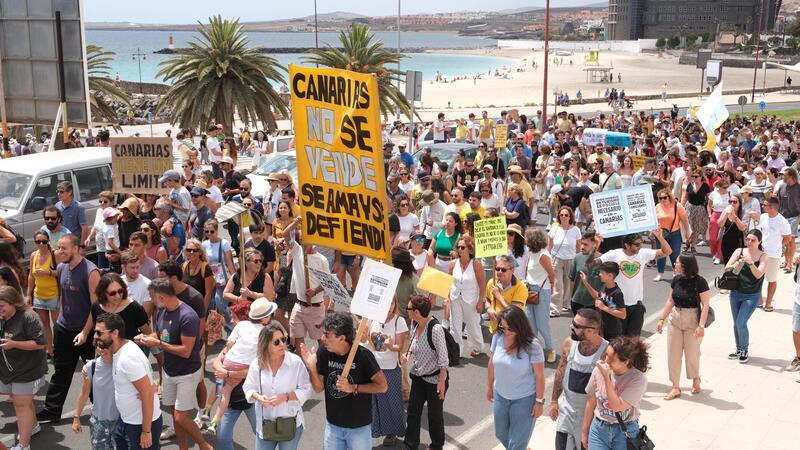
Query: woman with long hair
x,y
24,359
539,277
443,243
515,382
153,248
255,283
694,200
279,383
732,226
43,285
622,372
196,271
750,262
563,245
672,218
626,169
386,341
9,258
220,257
409,222
687,311
229,149
112,297
468,288
515,238
717,203
106,199
515,209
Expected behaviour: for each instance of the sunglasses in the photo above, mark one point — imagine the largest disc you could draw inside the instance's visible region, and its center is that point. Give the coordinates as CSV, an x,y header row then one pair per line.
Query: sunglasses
x,y
115,293
257,261
663,198
462,247
244,189
421,239
404,205
50,219
145,229
501,269
563,215
209,231
100,332
60,192
279,341
403,174
731,202
104,201
578,326
192,250
41,241
185,167
196,195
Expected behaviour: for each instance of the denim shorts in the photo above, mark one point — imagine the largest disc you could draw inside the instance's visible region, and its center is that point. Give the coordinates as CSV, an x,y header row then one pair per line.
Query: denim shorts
x,y
45,304
349,261
795,317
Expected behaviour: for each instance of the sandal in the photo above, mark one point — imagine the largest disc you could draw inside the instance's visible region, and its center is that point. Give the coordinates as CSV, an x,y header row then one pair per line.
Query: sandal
x,y
673,394
475,354
696,387
768,308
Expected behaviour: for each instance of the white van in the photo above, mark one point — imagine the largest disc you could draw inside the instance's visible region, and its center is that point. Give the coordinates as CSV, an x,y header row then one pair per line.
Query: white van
x,y
28,185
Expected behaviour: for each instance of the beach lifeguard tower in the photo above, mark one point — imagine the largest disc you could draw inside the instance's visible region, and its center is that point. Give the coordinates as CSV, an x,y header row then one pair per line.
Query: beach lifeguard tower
x,y
593,58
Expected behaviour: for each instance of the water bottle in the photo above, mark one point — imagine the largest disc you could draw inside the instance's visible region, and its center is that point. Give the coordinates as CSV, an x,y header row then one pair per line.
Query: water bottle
x,y
738,266
218,382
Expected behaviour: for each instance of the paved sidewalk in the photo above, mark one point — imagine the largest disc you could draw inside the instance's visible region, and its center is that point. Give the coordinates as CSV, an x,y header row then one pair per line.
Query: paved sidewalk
x,y
742,406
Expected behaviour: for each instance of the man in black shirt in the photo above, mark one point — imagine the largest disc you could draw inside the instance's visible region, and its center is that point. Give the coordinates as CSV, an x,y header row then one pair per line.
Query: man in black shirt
x,y
258,242
467,177
348,402
578,200
789,195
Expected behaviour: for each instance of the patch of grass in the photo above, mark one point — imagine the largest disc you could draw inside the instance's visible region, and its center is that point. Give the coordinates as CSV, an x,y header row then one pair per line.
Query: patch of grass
x,y
785,115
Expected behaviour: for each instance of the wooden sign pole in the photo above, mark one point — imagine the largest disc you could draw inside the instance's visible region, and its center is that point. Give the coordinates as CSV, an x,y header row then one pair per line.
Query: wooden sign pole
x,y
362,328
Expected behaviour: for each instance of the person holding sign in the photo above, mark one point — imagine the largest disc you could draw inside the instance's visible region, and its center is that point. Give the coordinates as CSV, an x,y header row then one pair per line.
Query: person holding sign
x,y
504,290
467,289
348,401
429,377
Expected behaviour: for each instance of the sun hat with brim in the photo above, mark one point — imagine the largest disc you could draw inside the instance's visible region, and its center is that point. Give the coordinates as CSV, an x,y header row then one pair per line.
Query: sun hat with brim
x,y
516,169
261,308
170,175
274,177
132,205
428,197
514,228
746,188
556,189
226,160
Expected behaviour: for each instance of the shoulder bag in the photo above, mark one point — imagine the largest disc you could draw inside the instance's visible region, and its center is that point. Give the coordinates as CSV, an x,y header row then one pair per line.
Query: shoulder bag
x,y
639,442
710,317
280,429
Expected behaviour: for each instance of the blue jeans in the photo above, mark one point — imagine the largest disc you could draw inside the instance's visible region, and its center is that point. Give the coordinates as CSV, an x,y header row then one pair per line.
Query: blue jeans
x,y
287,445
228,423
604,435
127,436
742,307
539,316
513,422
675,242
222,307
339,438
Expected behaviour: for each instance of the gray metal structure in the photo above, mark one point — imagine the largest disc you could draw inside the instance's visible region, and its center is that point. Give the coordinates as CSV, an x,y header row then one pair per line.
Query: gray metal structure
x,y
29,61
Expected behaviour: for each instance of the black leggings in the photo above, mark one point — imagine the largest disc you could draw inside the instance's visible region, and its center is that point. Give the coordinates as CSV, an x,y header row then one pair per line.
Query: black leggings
x,y
561,441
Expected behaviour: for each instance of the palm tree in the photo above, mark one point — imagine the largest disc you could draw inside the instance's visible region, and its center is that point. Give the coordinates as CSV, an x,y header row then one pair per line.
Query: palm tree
x,y
219,76
101,87
362,55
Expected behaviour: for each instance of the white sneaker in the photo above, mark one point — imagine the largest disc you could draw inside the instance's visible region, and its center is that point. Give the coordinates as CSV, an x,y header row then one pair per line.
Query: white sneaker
x,y
167,433
20,447
657,278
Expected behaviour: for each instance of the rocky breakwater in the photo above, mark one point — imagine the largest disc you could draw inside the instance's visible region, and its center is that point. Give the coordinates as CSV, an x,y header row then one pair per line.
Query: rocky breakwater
x,y
144,98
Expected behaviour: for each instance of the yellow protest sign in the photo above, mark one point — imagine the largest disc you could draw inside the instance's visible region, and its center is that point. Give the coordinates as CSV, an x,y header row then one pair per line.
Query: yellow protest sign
x,y
340,160
500,135
490,237
435,282
638,161
138,163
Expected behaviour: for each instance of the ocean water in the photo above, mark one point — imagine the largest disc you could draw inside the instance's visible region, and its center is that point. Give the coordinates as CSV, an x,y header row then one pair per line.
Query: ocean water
x,y
126,43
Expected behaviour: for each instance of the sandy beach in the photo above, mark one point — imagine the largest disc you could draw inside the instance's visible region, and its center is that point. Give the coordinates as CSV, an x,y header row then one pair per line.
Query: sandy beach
x,y
642,73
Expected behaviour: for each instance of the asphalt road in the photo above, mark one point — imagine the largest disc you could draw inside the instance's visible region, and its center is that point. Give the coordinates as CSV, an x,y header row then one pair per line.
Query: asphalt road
x,y
467,413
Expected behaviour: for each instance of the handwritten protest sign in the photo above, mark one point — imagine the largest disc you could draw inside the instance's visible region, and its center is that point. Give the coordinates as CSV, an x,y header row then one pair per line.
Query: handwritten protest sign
x,y
340,160
375,290
139,162
624,211
490,237
332,287
500,135
638,161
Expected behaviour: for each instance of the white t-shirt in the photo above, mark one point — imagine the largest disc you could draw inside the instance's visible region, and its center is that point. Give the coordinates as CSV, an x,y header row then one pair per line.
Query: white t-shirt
x,y
131,365
773,230
491,202
407,226
137,289
718,201
213,144
438,135
214,194
565,241
182,197
99,237
631,272
111,232
419,260
245,338
387,360
535,273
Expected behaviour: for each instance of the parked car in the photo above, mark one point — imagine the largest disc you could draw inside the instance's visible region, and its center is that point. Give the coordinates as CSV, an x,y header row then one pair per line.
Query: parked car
x,y
28,185
273,163
447,152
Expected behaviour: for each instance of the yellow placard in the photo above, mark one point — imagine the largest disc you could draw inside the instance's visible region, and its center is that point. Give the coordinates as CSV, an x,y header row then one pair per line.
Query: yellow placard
x,y
340,160
435,282
490,237
500,135
638,161
138,163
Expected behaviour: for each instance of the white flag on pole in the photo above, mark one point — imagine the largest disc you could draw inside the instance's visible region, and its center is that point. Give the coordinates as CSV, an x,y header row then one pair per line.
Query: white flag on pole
x,y
713,112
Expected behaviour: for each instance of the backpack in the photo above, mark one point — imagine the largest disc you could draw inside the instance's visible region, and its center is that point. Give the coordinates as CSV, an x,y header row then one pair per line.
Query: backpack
x,y
453,349
91,380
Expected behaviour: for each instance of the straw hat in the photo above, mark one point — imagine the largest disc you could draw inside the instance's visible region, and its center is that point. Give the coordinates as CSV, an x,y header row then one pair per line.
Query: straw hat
x,y
514,228
262,308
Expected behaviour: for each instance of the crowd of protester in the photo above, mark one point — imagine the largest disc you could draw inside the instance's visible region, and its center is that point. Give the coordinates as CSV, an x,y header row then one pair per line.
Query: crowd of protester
x,y
167,281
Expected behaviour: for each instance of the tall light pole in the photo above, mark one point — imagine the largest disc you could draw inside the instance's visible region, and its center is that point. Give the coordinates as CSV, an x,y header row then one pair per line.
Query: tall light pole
x,y
139,56
758,49
543,125
316,27
398,53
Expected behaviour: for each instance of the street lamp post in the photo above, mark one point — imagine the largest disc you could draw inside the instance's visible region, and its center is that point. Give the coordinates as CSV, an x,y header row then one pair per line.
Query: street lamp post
x,y
758,50
139,56
546,57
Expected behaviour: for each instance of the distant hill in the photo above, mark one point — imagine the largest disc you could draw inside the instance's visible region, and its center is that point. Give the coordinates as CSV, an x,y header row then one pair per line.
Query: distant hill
x,y
337,15
525,9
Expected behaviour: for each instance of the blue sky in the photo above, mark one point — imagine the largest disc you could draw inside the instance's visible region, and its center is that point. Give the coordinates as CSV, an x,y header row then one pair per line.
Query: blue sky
x,y
190,11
